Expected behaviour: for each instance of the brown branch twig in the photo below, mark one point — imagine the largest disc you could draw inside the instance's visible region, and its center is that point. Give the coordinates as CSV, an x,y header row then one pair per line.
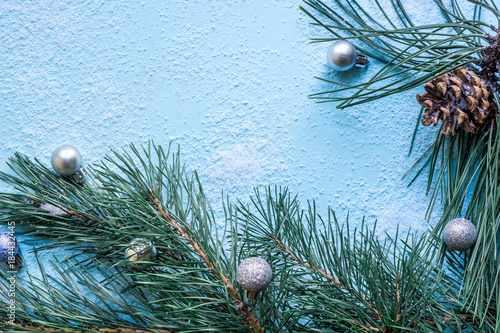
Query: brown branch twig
x,y
79,216
337,282
422,156
197,248
308,265
91,221
463,316
398,297
85,330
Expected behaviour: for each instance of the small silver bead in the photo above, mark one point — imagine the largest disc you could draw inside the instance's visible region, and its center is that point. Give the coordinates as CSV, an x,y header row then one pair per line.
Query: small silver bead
x,y
460,234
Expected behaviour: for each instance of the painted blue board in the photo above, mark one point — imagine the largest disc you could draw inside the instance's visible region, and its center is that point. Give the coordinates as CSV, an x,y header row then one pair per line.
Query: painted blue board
x,y
227,80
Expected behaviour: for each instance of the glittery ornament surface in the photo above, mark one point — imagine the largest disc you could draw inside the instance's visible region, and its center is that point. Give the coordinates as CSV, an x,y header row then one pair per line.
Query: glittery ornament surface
x,y
140,249
5,239
254,274
460,234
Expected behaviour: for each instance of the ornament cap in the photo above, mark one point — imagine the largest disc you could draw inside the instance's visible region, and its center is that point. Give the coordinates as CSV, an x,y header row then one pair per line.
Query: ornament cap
x,y
361,61
140,253
250,295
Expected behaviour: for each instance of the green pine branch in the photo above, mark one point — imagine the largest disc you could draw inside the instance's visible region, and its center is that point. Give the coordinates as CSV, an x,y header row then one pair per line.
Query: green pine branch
x,y
412,54
462,169
117,203
326,277
351,280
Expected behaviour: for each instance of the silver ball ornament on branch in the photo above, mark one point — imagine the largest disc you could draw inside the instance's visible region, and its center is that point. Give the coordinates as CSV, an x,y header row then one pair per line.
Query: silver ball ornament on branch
x,y
141,253
10,252
343,56
66,160
254,274
460,234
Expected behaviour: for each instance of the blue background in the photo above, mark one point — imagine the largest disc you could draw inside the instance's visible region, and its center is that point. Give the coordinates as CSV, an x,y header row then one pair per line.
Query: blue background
x,y
227,81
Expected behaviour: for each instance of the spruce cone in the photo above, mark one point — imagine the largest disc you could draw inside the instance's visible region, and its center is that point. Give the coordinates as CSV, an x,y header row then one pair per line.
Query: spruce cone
x,y
458,99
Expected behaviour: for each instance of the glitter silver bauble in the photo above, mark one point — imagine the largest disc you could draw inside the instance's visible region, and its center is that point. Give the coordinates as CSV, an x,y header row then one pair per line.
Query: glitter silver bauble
x,y
460,234
140,253
8,243
254,274
343,56
66,160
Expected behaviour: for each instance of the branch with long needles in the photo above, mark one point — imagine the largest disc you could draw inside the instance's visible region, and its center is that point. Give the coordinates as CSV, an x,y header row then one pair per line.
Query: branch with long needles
x,y
229,286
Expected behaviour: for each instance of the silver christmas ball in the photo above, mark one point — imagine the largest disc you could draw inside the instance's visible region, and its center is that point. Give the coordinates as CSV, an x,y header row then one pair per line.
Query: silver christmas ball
x,y
342,55
66,160
254,274
460,234
8,243
140,249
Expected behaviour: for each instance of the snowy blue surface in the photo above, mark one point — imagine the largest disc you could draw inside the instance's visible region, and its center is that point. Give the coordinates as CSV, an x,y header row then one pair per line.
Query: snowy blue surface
x,y
227,81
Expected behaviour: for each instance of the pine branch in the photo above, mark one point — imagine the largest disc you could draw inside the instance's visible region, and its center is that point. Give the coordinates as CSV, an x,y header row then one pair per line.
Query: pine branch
x,y
337,282
413,54
372,277
306,264
119,208
326,277
32,328
463,170
71,213
234,293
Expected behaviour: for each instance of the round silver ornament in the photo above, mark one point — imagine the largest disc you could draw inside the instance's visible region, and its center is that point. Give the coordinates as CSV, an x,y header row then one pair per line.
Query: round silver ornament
x,y
254,274
9,250
343,56
66,160
140,253
460,234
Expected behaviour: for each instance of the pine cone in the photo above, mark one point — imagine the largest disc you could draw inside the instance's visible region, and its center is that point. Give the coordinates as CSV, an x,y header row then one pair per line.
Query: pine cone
x,y
458,99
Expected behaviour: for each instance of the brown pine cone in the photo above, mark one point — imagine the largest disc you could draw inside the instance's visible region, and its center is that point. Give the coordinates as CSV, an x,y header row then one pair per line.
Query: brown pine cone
x,y
458,99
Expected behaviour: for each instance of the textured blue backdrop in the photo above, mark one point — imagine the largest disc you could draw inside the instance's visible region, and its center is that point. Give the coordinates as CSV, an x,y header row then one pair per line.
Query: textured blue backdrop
x,y
227,80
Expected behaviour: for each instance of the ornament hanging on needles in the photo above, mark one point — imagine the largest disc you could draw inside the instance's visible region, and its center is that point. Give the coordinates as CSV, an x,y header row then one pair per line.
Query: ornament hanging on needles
x,y
10,253
254,274
343,56
66,160
141,253
460,234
